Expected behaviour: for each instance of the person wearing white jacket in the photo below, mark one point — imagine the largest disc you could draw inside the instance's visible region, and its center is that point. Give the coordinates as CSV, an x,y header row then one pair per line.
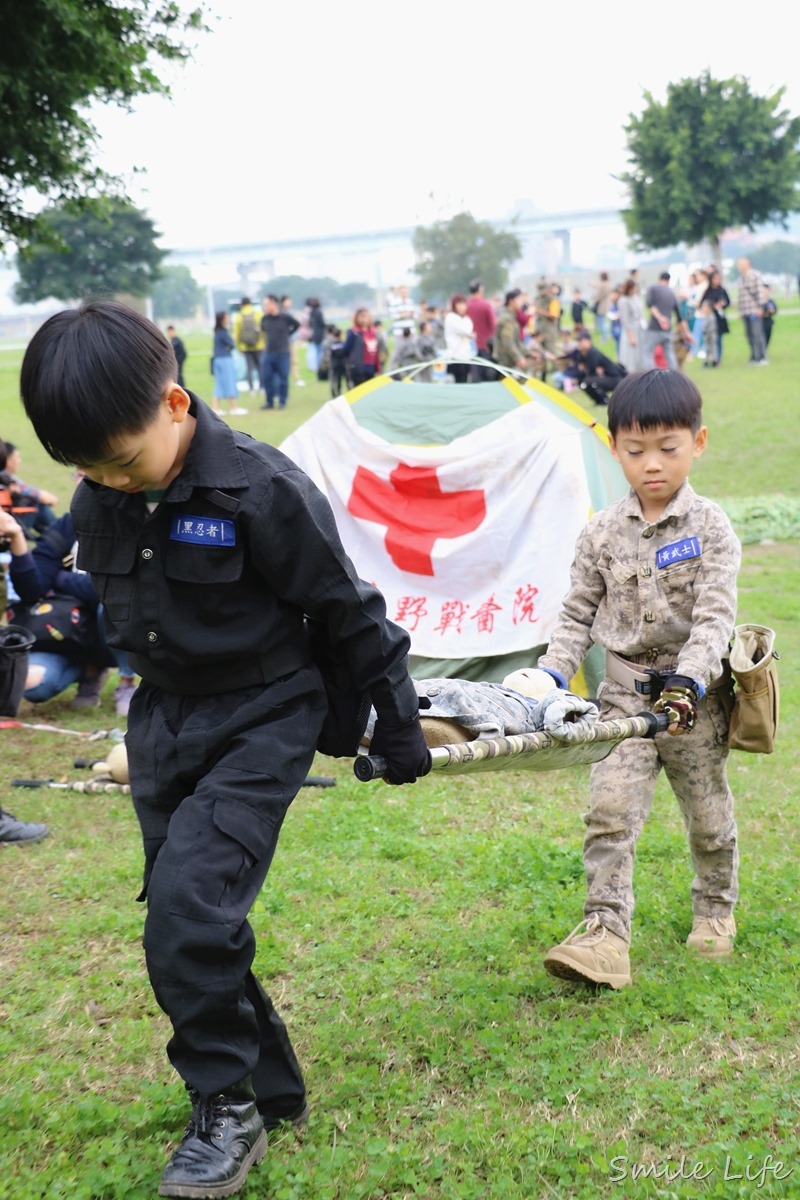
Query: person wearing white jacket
x,y
459,337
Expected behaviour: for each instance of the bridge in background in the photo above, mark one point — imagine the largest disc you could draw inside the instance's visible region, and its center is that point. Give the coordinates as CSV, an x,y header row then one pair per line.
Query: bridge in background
x,y
381,257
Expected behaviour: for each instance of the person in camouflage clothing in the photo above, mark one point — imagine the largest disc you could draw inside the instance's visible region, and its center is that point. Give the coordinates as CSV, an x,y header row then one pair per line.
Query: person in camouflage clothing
x,y
654,581
508,348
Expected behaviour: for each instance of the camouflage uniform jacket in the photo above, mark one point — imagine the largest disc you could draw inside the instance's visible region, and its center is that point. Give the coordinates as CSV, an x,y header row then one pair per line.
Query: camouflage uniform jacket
x,y
662,592
508,347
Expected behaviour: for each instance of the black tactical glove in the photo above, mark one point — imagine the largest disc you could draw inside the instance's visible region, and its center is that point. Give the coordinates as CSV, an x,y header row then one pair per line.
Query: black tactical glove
x,y
403,747
679,695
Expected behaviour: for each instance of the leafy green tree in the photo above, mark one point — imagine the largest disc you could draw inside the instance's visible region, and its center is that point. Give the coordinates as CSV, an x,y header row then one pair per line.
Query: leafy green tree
x,y
713,155
777,258
177,293
91,254
451,253
328,291
56,57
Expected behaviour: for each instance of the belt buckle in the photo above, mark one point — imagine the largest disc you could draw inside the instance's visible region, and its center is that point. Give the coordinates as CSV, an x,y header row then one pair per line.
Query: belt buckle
x,y
654,687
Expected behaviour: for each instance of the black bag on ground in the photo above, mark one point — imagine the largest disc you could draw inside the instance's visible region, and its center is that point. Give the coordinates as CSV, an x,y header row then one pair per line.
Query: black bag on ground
x,y
15,646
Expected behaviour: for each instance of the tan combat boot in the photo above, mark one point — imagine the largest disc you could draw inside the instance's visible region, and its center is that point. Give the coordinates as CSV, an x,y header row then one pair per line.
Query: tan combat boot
x,y
712,937
595,955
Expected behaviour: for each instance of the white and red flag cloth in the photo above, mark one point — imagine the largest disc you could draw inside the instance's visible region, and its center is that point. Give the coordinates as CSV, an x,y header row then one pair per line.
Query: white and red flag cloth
x,y
470,539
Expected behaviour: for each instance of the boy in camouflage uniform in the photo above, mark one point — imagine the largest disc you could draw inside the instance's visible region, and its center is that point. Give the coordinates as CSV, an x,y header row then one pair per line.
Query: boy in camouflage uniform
x,y
653,580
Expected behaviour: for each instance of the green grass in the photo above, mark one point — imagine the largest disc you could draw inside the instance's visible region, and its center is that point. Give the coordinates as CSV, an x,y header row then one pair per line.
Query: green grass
x,y
401,934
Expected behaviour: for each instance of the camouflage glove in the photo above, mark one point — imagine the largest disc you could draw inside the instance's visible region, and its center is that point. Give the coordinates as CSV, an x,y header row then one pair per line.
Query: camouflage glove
x,y
403,747
679,696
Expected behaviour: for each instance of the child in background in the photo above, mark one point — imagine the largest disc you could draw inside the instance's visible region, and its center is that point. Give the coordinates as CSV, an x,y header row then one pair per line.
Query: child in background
x,y
405,353
770,311
179,348
216,558
338,363
710,334
654,580
426,349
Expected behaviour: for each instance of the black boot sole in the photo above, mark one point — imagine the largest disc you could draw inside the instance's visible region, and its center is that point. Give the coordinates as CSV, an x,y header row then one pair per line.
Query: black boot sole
x,y
206,1191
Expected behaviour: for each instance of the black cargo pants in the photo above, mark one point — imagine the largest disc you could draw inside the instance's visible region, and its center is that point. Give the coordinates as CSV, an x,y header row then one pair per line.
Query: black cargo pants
x,y
211,779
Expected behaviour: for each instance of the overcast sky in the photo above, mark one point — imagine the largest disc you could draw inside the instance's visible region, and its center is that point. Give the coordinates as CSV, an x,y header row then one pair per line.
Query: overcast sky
x,y
315,118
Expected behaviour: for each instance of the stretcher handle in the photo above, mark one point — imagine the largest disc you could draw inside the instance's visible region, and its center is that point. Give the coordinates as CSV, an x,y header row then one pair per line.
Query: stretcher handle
x,y
368,767
657,722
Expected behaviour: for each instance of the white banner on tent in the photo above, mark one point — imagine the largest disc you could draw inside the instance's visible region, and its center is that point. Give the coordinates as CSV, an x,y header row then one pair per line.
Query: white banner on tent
x,y
471,542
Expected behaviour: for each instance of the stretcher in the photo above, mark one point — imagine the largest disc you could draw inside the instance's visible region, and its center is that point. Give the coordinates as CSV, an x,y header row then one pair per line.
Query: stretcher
x,y
529,751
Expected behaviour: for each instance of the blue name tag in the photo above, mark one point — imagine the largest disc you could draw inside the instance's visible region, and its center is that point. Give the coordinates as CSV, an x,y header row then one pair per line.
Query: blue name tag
x,y
203,531
676,551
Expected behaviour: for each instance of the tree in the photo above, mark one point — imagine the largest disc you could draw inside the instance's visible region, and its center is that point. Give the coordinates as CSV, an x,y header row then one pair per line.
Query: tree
x,y
177,293
451,253
91,253
56,56
712,156
777,258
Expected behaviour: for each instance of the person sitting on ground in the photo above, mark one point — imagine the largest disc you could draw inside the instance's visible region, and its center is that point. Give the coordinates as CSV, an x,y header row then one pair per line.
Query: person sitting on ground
x,y
36,503
598,375
565,376
55,664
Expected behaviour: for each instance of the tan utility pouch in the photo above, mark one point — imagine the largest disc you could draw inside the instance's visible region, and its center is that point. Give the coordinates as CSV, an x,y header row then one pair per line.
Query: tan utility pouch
x,y
754,720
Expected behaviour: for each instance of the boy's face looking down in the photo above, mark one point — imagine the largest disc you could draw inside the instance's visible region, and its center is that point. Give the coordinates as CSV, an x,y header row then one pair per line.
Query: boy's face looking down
x,y
151,459
656,461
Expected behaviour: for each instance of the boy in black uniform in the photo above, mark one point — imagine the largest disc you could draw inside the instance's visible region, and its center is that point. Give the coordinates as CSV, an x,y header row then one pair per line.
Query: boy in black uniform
x,y
209,550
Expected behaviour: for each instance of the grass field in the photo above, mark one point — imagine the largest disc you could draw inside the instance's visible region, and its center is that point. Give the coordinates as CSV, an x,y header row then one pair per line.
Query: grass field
x,y
401,934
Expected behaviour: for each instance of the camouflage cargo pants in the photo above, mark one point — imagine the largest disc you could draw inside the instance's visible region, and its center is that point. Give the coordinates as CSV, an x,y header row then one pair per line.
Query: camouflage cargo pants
x,y
621,793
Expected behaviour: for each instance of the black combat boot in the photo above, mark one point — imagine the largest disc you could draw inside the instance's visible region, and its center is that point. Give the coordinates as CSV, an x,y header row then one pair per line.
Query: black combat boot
x,y
224,1138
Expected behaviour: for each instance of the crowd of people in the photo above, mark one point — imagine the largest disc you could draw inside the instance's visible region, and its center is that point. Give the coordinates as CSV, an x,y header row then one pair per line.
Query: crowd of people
x,y
546,335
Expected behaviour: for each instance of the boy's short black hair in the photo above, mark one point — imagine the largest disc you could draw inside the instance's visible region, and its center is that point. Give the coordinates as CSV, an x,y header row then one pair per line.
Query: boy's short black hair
x,y
92,374
655,399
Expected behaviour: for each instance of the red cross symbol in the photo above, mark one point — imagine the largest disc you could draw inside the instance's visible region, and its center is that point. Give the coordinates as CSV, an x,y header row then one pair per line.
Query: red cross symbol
x,y
415,511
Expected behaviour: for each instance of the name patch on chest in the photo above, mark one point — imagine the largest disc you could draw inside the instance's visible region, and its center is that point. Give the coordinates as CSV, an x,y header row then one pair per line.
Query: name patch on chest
x,y
677,551
203,531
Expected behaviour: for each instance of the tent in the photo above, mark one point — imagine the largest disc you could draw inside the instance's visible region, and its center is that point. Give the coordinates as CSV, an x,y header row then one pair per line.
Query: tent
x,y
462,503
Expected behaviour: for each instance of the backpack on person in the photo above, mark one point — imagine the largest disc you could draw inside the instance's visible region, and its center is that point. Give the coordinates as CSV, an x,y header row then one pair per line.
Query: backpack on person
x,y
249,332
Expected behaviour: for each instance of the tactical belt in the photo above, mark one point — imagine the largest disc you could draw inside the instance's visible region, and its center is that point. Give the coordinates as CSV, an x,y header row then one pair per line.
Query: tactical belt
x,y
643,680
